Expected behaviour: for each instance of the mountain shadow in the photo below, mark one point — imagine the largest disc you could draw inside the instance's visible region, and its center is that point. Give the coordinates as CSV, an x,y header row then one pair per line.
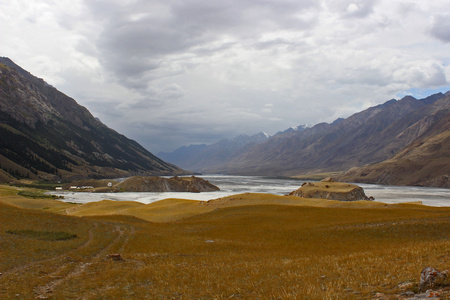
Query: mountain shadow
x,y
48,135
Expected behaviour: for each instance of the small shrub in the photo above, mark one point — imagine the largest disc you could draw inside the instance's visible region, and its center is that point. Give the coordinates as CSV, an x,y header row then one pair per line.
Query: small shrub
x,y
44,235
38,195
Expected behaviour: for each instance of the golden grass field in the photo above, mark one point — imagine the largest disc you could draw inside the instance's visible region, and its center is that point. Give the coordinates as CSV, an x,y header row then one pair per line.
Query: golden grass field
x,y
247,246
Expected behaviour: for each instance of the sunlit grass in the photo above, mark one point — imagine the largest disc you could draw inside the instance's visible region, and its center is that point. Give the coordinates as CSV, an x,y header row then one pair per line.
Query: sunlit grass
x,y
31,198
245,246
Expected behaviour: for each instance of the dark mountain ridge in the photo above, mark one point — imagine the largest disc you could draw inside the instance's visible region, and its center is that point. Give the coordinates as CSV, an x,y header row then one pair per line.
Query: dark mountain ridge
x,y
424,161
47,135
370,136
294,129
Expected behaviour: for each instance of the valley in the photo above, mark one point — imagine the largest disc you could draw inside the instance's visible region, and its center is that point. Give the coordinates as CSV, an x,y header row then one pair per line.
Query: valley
x,y
177,150
249,246
400,142
48,136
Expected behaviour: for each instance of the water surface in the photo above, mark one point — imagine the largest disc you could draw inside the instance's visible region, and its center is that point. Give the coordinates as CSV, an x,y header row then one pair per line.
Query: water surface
x,y
231,185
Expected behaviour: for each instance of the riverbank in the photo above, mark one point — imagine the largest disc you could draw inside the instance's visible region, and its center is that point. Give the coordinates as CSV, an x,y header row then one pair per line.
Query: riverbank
x,y
231,185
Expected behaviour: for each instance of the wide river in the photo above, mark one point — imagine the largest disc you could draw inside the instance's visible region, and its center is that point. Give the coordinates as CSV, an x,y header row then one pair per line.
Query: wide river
x,y
231,185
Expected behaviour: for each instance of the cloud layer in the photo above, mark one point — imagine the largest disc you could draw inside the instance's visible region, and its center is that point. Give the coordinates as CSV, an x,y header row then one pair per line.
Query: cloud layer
x,y
170,73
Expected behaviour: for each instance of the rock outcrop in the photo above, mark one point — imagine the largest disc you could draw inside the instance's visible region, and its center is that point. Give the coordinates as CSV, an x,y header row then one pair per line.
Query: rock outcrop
x,y
329,189
159,184
430,278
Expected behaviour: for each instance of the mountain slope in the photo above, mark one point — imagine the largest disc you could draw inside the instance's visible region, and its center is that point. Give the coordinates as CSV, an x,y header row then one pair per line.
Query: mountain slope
x,y
46,134
368,137
199,157
425,162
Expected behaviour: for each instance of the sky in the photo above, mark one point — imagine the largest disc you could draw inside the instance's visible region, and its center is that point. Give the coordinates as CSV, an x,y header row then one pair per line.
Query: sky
x,y
173,73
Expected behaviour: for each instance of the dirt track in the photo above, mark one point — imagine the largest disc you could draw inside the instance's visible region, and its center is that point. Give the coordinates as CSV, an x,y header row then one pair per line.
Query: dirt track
x,y
56,271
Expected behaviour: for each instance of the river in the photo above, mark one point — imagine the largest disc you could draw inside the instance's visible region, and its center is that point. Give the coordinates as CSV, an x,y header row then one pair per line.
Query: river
x,y
231,185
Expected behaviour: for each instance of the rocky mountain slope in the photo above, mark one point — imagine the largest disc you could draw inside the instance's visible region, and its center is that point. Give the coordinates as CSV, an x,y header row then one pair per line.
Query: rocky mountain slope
x,y
200,157
47,135
412,133
368,137
426,162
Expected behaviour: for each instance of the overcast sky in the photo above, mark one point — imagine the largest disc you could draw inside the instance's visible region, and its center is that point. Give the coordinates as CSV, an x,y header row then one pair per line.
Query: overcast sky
x,y
171,73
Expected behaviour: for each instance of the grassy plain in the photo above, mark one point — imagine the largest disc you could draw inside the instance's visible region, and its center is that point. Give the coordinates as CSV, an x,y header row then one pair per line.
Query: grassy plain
x,y
248,246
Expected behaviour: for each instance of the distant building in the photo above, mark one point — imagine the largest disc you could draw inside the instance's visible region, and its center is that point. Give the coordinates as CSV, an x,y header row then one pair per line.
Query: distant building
x,y
87,187
73,187
58,188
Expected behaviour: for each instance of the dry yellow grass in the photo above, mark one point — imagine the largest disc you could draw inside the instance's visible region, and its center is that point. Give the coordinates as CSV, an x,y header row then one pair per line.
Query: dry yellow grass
x,y
249,246
176,209
339,187
261,199
104,207
9,195
316,176
169,210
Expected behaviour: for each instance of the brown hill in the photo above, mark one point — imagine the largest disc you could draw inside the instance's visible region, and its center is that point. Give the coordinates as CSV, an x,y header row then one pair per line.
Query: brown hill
x,y
423,163
47,135
331,190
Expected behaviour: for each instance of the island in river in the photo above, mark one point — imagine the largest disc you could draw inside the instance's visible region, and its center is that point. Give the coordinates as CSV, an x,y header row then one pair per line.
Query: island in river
x,y
190,184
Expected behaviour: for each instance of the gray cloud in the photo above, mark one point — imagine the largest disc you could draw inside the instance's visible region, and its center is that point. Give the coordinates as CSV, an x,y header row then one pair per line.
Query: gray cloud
x,y
440,26
169,73
134,42
352,8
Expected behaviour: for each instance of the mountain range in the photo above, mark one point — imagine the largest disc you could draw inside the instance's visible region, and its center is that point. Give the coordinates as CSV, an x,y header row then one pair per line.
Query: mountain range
x,y
203,157
404,131
48,135
425,161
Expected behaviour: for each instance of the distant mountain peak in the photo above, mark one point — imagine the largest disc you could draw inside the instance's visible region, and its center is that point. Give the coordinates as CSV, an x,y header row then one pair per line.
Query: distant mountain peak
x,y
408,98
265,134
338,120
295,129
261,134
372,135
195,158
303,127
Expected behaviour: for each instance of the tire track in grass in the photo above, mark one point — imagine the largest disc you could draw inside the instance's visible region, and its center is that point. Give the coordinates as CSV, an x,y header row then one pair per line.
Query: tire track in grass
x,y
45,291
28,266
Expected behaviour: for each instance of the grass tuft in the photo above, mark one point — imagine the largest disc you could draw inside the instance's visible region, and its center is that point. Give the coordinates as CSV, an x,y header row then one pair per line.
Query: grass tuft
x,y
44,235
